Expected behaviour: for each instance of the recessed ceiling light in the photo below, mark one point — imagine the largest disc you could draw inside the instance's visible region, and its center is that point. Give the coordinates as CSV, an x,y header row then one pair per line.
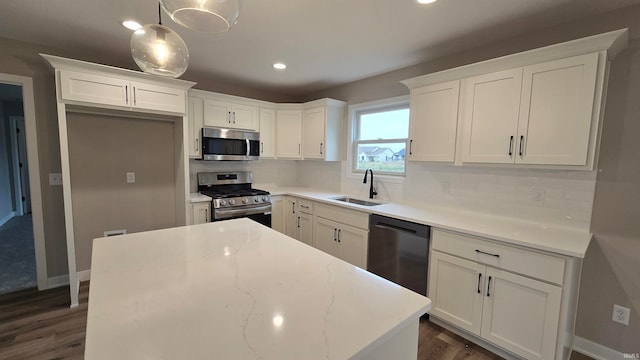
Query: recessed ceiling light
x,y
131,25
279,66
426,1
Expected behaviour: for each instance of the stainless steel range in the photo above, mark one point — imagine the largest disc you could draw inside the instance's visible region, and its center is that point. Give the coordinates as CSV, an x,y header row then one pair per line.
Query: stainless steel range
x,y
233,197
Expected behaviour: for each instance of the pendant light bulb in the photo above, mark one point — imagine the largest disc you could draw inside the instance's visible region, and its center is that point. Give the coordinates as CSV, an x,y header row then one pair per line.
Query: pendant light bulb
x,y
158,50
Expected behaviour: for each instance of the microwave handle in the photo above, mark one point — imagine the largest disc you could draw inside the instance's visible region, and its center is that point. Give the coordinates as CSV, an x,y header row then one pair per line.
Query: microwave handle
x,y
248,146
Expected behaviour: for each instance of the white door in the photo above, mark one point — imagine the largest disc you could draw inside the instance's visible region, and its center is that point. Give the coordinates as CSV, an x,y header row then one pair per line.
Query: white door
x,y
456,289
521,314
21,168
195,115
352,245
490,109
433,122
154,97
305,228
217,113
325,236
267,133
291,218
288,134
313,133
244,117
557,109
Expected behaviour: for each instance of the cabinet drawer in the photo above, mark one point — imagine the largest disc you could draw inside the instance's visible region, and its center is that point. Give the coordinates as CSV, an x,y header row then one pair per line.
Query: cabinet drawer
x,y
342,215
305,206
527,262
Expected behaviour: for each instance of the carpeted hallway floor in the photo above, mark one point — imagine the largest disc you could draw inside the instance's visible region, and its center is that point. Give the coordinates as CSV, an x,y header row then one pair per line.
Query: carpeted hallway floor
x,y
17,255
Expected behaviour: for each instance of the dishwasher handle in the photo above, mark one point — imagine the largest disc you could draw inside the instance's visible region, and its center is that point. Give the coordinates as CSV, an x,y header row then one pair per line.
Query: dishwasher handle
x,y
395,228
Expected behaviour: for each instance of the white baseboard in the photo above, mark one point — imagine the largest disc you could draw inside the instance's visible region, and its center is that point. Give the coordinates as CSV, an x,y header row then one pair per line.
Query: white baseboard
x,y
8,217
84,275
57,281
596,351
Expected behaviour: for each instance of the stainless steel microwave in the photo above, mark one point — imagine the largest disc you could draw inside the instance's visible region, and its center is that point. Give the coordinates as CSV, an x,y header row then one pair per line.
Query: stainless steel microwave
x,y
227,144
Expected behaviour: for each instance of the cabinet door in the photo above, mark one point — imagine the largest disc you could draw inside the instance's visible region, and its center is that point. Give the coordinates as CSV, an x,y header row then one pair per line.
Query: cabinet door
x,y
160,98
433,122
288,134
352,245
291,218
557,110
521,314
325,236
217,113
195,116
490,112
278,214
456,288
95,89
305,228
200,213
244,117
313,133
267,133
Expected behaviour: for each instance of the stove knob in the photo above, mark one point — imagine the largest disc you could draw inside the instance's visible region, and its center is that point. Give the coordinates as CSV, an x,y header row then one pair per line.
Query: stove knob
x,y
223,202
264,198
245,201
256,199
232,202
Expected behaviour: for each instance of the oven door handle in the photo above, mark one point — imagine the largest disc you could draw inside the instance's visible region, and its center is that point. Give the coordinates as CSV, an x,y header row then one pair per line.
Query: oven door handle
x,y
248,146
240,212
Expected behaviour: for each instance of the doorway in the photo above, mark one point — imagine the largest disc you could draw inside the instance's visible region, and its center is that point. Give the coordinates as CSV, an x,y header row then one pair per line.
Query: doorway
x,y
22,252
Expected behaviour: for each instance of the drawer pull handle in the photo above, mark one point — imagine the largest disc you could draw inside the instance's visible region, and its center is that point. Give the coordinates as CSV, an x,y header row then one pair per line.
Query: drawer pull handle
x,y
335,237
521,144
489,286
339,230
511,146
304,206
486,253
479,278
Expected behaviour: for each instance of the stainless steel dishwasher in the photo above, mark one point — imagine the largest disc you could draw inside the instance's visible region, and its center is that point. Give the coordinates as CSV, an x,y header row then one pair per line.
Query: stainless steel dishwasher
x,y
398,251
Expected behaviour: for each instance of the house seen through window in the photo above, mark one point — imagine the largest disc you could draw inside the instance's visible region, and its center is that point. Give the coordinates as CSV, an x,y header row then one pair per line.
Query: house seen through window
x,y
381,139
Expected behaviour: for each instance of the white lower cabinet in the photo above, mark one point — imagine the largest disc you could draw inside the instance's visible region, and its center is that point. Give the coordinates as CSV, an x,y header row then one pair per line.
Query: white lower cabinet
x,y
299,220
345,241
514,312
200,213
277,213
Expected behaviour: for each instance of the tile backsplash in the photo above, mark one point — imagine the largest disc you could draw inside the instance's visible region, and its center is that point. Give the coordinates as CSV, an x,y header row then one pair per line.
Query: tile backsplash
x,y
553,197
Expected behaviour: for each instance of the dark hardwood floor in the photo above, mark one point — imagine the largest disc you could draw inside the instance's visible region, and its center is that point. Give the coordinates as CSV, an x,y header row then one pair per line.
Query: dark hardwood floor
x,y
40,325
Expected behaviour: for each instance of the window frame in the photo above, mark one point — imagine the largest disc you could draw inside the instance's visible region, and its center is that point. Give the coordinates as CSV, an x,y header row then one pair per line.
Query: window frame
x,y
355,111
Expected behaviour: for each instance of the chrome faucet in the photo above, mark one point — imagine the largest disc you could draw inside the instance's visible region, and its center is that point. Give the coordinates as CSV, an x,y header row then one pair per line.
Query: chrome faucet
x,y
372,190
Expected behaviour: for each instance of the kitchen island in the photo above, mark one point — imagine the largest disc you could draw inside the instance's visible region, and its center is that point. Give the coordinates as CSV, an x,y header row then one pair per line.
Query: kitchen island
x,y
238,290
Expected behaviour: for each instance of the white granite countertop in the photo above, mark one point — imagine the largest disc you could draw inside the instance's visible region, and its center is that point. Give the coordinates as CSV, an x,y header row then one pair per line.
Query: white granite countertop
x,y
235,290
559,240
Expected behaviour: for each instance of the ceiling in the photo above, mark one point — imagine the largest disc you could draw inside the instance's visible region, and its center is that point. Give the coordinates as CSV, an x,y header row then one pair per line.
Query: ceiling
x,y
324,42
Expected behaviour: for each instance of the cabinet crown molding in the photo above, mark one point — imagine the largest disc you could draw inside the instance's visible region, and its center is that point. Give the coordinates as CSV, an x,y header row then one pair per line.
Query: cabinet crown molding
x,y
612,43
61,63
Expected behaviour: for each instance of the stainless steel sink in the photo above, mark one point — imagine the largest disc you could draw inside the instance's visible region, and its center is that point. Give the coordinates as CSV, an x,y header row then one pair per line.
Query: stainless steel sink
x,y
356,201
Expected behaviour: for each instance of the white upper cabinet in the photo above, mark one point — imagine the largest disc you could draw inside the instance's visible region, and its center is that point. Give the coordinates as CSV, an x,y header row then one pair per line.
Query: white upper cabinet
x,y
120,92
539,108
321,125
433,122
557,111
230,115
267,133
490,116
195,115
289,134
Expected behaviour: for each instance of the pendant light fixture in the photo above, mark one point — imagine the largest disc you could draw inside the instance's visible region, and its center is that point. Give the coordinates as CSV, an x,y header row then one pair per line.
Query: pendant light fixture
x,y
209,16
159,50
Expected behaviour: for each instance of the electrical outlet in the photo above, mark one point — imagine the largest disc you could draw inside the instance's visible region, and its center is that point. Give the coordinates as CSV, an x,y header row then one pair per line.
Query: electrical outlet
x,y
55,179
131,177
537,195
621,314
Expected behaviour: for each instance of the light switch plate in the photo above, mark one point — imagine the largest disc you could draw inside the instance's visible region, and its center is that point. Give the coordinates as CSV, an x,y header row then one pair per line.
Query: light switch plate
x,y
131,177
55,179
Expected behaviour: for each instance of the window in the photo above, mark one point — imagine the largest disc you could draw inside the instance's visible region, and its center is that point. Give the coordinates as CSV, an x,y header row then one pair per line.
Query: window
x,y
380,139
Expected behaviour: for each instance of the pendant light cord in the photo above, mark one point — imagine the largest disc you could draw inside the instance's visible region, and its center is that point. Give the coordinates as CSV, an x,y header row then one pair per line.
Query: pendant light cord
x,y
159,14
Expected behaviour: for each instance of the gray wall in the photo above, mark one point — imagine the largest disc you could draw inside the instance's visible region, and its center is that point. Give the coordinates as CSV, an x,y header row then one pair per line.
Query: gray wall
x,y
612,264
102,149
